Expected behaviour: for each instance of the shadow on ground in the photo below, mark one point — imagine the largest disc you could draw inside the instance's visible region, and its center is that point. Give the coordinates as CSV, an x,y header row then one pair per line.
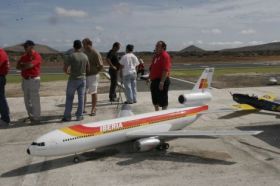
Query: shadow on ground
x,y
270,134
130,159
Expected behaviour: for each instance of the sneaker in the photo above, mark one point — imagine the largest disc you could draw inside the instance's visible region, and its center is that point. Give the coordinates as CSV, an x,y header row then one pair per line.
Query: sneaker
x,y
35,121
25,120
113,99
65,119
135,101
4,123
127,102
79,118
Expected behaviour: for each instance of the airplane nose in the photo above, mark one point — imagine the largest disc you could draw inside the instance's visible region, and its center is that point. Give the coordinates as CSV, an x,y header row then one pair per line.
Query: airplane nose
x,y
28,151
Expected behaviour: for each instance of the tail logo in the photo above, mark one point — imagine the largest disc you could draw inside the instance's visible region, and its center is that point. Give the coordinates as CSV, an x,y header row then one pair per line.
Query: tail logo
x,y
203,84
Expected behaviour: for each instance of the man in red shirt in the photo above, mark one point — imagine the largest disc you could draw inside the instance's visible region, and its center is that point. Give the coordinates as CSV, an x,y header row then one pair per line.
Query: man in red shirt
x,y
4,68
30,66
159,76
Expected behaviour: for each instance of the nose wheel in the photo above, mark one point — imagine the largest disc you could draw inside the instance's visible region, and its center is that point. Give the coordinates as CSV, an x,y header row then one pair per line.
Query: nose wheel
x,y
76,159
163,146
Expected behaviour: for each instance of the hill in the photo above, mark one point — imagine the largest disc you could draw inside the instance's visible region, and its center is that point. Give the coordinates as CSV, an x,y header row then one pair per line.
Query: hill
x,y
275,46
42,49
192,48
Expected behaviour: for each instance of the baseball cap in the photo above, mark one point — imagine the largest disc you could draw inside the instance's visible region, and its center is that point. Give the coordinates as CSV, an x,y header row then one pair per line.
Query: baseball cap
x,y
28,43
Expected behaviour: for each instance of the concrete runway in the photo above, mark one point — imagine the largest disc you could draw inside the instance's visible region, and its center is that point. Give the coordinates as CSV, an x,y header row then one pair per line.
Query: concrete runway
x,y
246,160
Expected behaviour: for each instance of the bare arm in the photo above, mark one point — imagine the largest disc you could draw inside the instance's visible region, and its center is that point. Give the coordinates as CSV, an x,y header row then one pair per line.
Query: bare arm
x,y
110,63
65,69
88,68
162,80
24,66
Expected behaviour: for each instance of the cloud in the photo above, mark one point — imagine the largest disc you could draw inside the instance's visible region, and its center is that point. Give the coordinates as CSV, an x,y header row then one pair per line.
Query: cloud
x,y
99,28
97,40
248,32
227,43
212,31
62,12
44,40
255,42
122,8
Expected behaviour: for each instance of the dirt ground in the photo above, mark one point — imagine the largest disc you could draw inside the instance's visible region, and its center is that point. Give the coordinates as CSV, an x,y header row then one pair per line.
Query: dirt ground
x,y
57,88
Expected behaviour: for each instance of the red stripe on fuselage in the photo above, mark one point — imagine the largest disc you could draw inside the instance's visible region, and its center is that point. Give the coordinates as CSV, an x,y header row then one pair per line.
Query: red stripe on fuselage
x,y
143,121
84,129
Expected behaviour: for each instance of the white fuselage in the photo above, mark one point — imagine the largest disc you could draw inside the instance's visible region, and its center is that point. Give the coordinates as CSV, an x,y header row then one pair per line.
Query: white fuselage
x,y
80,138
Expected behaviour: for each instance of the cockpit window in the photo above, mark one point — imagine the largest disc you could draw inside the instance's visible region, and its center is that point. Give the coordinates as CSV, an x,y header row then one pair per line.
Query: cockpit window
x,y
38,144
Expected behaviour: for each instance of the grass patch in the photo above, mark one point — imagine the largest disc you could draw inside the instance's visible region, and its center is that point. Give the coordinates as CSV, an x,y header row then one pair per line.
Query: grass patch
x,y
224,71
44,78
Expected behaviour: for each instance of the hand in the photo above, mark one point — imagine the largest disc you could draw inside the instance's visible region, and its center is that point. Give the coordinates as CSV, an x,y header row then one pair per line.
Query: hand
x,y
161,86
148,81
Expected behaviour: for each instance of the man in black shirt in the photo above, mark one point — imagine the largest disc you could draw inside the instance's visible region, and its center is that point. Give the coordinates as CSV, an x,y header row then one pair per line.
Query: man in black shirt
x,y
113,61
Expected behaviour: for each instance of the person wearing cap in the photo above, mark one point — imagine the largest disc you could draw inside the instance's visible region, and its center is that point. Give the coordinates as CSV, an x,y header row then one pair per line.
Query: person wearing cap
x,y
75,65
4,69
30,66
113,61
129,63
159,76
92,76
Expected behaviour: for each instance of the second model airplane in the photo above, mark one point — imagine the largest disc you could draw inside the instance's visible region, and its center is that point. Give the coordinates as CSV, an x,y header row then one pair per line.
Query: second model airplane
x,y
147,131
246,102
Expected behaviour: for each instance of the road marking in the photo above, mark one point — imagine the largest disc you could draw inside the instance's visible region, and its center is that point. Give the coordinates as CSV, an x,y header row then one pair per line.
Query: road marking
x,y
185,81
182,80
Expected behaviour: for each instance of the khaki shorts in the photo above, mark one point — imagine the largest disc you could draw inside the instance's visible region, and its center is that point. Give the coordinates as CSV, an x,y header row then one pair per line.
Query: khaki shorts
x,y
92,84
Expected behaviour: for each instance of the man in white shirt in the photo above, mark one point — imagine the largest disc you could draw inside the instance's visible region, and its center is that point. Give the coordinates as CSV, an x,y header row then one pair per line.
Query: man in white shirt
x,y
129,62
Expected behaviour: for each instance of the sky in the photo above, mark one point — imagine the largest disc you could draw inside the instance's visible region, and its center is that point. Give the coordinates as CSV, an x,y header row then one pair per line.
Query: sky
x,y
208,24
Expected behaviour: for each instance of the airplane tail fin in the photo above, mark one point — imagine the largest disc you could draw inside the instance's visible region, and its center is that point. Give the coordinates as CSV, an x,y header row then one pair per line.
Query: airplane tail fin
x,y
205,80
200,94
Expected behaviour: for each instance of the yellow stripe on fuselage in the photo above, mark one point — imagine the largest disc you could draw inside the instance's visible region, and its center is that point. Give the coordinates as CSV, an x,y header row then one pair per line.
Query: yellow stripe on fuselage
x,y
71,132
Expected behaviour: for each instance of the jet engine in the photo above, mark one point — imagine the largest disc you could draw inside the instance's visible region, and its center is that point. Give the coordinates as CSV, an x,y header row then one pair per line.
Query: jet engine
x,y
146,144
193,99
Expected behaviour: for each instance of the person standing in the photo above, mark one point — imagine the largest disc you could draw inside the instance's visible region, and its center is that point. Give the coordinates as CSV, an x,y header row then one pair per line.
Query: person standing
x,y
159,76
30,66
140,69
4,69
129,63
92,76
75,65
113,61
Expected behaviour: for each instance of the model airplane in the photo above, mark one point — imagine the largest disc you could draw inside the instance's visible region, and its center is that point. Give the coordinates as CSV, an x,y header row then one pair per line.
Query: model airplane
x,y
246,102
147,131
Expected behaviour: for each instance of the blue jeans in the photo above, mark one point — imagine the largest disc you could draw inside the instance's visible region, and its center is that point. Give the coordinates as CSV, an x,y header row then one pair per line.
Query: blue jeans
x,y
129,82
72,86
4,108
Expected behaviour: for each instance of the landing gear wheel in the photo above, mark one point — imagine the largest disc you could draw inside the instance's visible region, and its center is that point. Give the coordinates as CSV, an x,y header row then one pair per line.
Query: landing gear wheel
x,y
165,146
76,159
160,147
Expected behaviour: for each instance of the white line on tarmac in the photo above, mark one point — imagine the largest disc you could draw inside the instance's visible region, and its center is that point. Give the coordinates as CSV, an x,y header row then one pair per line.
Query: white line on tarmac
x,y
185,81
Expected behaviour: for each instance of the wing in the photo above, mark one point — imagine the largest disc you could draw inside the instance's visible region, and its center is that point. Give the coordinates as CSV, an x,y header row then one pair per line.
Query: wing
x,y
268,97
191,134
244,107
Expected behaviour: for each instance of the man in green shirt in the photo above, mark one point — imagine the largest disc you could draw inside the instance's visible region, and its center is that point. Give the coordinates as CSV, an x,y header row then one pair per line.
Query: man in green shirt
x,y
76,65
